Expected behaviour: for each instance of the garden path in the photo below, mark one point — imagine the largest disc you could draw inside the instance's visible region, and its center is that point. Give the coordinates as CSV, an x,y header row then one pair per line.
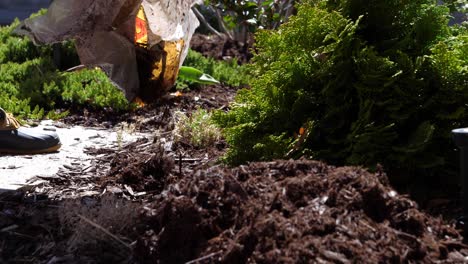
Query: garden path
x,y
25,170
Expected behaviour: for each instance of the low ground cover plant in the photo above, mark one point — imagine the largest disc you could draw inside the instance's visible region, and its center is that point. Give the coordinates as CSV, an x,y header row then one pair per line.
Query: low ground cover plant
x,y
32,86
355,82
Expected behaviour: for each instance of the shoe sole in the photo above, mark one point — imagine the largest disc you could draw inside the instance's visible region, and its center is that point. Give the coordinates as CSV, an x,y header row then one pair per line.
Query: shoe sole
x,y
31,152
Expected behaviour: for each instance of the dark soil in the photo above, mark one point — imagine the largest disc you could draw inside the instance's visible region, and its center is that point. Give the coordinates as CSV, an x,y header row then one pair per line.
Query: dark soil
x,y
221,48
158,114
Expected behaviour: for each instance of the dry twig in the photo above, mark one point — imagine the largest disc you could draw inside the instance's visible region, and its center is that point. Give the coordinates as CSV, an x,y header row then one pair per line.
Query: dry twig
x,y
204,258
105,231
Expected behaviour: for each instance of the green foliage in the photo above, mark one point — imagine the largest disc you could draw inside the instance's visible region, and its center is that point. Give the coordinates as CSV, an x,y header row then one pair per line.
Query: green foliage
x,y
394,25
229,73
18,49
355,82
197,129
31,86
93,89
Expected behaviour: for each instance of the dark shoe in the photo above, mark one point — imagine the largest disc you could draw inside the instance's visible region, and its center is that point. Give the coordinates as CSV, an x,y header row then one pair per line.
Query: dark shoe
x,y
20,140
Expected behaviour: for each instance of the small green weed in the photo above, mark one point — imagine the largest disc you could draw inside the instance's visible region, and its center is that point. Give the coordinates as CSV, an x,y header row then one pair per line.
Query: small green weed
x,y
196,129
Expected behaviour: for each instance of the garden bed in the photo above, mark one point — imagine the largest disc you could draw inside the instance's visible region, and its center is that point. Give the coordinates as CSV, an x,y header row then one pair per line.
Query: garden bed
x,y
157,200
163,198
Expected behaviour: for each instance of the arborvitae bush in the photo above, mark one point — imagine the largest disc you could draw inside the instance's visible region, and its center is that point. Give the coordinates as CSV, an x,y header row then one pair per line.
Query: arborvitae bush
x,y
355,82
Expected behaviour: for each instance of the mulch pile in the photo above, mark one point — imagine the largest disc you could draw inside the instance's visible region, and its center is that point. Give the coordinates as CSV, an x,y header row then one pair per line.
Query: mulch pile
x,y
290,212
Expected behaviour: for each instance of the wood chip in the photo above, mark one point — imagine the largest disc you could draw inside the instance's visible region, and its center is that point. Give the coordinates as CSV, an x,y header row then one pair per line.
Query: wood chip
x,y
9,228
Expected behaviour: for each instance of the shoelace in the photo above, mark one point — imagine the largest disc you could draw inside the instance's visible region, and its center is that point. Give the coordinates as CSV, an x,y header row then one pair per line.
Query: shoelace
x,y
10,122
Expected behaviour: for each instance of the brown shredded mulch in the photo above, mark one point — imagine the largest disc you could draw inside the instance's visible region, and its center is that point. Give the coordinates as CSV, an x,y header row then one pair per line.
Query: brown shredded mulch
x,y
291,212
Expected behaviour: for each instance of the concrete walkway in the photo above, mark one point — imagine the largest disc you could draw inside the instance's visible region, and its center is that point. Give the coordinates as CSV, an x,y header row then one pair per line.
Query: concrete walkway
x,y
15,171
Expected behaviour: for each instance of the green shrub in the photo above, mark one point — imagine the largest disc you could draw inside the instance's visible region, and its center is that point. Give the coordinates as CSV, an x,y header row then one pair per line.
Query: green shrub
x,y
355,82
31,85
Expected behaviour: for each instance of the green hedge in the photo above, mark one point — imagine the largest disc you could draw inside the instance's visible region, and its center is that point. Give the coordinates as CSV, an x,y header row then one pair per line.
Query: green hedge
x,y
355,82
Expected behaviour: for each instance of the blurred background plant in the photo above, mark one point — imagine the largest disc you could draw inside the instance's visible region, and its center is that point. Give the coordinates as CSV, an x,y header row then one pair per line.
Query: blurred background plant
x,y
456,5
236,19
